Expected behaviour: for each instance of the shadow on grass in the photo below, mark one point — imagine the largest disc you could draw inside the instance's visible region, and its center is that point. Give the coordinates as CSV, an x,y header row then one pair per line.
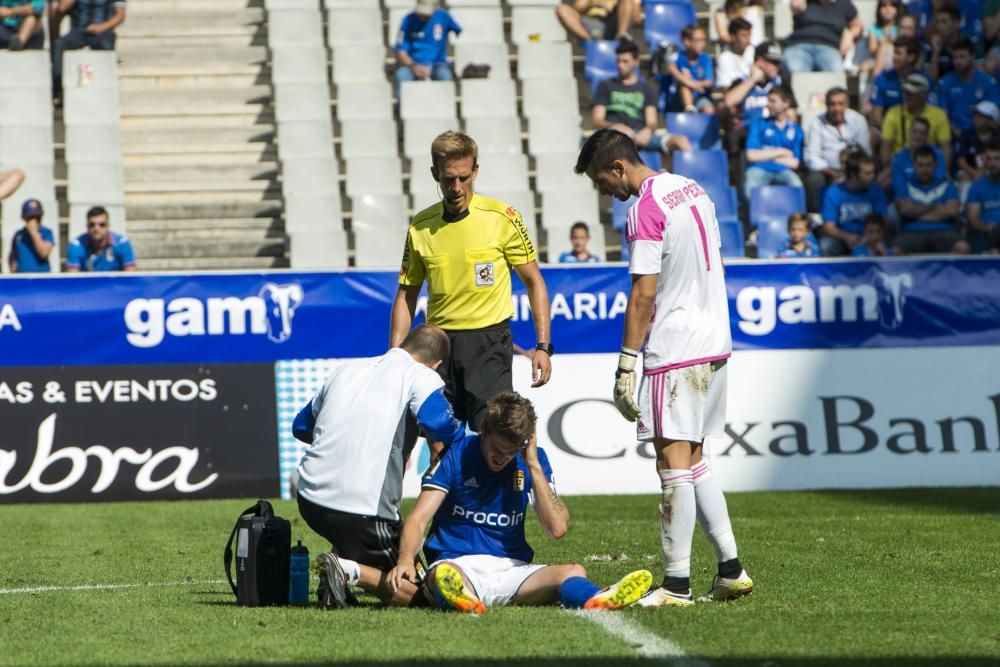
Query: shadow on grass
x,y
976,500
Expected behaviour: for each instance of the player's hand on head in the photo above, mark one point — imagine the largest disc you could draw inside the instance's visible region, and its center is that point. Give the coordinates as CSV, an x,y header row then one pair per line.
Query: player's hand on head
x,y
624,392
530,451
541,369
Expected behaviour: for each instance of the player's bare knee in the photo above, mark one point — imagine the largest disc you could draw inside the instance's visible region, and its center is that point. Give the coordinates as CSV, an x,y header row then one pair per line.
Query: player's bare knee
x,y
576,570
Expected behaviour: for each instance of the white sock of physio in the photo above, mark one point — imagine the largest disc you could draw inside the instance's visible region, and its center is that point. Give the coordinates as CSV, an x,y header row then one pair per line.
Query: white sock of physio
x,y
352,569
713,514
677,518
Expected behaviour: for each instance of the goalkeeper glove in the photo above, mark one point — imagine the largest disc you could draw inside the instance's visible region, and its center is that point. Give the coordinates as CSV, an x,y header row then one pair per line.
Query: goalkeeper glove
x,y
625,385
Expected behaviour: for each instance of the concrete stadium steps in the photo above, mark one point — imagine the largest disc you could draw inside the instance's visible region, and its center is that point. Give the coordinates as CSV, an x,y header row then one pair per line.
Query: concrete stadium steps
x,y
202,186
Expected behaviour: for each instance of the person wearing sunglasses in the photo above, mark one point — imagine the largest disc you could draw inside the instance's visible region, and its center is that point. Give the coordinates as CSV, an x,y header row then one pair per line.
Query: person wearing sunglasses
x,y
99,248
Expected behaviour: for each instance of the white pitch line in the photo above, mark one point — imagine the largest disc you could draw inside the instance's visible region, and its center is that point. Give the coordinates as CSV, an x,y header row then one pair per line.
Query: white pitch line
x,y
643,641
105,587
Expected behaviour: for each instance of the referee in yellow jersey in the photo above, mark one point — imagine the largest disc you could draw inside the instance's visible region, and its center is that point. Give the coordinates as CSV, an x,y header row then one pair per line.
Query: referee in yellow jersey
x,y
464,247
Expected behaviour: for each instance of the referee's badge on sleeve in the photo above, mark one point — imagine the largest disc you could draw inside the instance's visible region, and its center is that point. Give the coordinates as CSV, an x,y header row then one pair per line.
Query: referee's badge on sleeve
x,y
484,274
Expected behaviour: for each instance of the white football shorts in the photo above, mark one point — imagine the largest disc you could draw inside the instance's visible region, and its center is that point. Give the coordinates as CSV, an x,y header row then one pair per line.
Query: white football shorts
x,y
495,579
683,404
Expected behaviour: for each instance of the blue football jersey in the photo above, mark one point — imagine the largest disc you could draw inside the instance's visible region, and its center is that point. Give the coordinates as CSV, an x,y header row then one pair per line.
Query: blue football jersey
x,y
484,511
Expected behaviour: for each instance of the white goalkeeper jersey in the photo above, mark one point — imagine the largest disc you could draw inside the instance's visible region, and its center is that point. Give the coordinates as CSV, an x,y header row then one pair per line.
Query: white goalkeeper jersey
x,y
672,231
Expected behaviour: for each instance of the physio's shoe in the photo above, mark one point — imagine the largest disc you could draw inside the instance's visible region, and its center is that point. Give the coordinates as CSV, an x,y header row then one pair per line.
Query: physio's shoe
x,y
661,597
724,589
452,591
332,590
627,591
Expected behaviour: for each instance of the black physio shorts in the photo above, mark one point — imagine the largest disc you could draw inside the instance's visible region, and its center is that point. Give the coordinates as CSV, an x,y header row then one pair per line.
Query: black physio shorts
x,y
367,540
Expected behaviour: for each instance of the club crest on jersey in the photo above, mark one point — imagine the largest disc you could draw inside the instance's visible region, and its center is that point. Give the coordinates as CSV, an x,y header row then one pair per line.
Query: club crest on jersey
x,y
519,480
484,274
438,32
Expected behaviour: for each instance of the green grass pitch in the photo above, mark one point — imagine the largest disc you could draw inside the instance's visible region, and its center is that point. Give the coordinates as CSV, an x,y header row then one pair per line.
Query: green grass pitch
x,y
908,577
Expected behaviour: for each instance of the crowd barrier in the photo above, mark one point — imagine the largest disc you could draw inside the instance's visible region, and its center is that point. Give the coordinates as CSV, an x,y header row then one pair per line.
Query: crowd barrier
x,y
847,374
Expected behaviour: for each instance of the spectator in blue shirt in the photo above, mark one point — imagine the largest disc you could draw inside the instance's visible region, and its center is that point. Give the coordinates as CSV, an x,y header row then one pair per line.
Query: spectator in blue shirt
x,y
20,24
579,237
982,208
422,45
32,245
848,203
929,209
873,242
692,73
100,249
902,162
887,90
800,241
774,146
964,87
92,24
746,100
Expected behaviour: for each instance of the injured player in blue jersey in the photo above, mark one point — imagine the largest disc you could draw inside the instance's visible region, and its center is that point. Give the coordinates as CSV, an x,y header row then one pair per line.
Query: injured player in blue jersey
x,y
475,499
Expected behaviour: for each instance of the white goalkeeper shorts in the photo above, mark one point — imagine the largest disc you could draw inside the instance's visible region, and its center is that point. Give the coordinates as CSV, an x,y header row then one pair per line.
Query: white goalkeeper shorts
x,y
495,579
683,404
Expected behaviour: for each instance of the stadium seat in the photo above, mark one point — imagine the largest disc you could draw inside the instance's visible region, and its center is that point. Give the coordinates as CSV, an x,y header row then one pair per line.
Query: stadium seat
x,y
379,225
26,106
466,3
702,129
294,28
358,63
374,176
809,89
302,102
783,20
544,60
482,25
418,133
364,100
298,65
488,98
102,67
535,24
725,198
520,3
551,96
95,182
502,172
26,69
554,171
423,188
356,138
494,55
524,202
495,135
90,106
370,4
32,144
561,208
427,99
599,60
355,25
770,235
731,232
652,159
710,166
281,5
308,139
317,249
776,202
310,177
553,134
664,22
93,143
619,211
313,212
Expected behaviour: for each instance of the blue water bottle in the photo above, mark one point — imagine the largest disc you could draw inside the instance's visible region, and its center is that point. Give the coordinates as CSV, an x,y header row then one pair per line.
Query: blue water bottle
x,y
298,589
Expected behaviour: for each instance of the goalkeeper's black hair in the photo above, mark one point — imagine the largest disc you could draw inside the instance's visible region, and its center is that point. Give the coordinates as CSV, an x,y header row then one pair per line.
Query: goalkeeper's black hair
x,y
603,148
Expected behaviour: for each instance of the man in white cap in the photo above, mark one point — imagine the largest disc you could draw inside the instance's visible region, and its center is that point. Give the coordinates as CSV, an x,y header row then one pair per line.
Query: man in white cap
x,y
422,44
971,162
898,119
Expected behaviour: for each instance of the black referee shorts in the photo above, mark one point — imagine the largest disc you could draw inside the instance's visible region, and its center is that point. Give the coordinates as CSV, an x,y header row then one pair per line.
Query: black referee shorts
x,y
367,540
478,368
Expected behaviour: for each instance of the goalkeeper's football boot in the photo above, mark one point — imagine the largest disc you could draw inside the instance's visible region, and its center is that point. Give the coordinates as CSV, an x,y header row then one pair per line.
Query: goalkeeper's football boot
x,y
452,593
724,588
332,590
661,597
627,591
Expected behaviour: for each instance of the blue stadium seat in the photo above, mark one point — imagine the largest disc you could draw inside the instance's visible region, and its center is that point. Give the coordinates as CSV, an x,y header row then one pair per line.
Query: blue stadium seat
x,y
619,210
701,128
770,235
652,159
664,22
600,61
776,202
725,199
731,232
706,167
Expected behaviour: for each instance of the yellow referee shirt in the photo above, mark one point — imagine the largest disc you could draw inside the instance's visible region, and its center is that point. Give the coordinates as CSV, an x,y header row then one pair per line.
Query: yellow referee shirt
x,y
466,263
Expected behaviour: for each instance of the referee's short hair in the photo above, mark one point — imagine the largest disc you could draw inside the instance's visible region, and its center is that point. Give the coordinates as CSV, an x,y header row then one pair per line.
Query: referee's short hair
x,y
427,343
510,416
453,145
603,148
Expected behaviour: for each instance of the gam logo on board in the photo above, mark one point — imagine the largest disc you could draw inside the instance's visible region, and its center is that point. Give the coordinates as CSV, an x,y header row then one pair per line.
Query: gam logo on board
x,y
270,313
760,309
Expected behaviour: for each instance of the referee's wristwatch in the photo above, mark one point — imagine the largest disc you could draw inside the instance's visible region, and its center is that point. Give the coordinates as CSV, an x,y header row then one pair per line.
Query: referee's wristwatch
x,y
546,348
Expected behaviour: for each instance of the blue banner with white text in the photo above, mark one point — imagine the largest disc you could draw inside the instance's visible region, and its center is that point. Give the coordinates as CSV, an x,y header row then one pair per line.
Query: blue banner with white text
x,y
264,317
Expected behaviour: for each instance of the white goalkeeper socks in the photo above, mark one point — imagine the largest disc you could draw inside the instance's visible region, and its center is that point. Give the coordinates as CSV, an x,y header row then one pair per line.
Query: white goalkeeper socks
x,y
713,514
677,519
